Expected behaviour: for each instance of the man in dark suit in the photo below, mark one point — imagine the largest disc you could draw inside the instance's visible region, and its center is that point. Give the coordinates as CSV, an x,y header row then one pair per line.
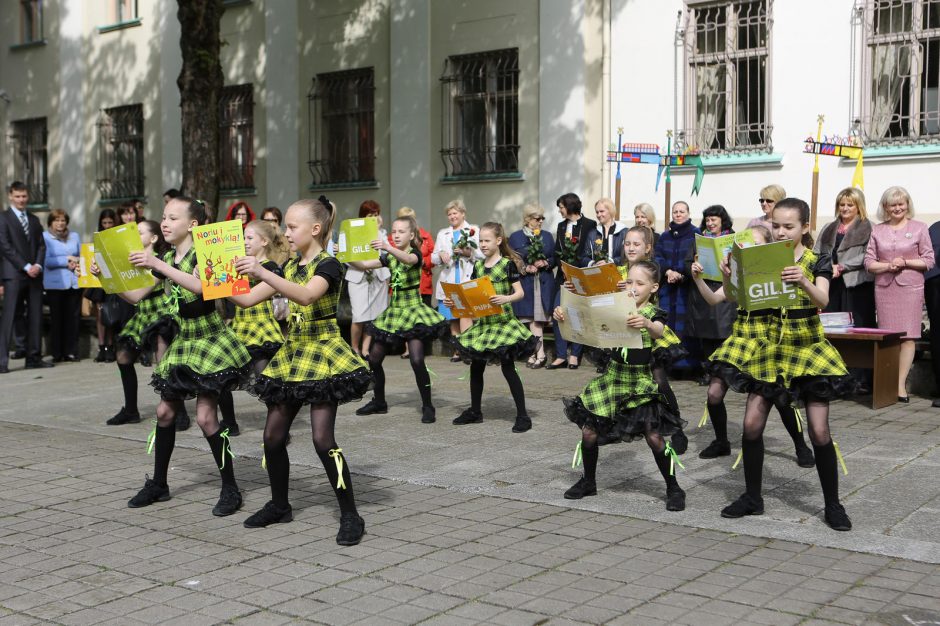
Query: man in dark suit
x,y
22,253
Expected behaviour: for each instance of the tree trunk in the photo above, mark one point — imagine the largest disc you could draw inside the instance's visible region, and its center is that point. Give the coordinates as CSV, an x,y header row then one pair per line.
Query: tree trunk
x,y
200,83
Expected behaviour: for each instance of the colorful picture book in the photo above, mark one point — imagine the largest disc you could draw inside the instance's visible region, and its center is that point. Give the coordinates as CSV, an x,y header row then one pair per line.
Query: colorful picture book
x,y
592,281
755,281
112,251
599,321
472,299
711,250
217,247
355,239
87,280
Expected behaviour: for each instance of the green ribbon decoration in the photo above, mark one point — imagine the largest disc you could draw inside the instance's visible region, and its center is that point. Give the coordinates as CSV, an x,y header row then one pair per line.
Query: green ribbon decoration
x,y
799,419
673,459
704,419
297,317
264,460
398,279
152,438
737,461
176,294
226,447
845,470
432,374
577,459
465,376
337,456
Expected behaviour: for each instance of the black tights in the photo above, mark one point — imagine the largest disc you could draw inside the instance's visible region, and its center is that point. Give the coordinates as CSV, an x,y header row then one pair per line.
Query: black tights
x,y
415,355
752,444
322,422
478,367
125,362
659,375
589,454
718,414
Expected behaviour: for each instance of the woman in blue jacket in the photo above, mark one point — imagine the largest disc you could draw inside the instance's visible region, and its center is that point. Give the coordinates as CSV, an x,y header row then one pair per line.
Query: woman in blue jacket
x,y
536,248
61,285
674,248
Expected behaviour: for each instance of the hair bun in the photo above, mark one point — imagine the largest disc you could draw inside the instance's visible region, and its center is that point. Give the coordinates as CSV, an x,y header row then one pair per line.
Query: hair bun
x,y
325,202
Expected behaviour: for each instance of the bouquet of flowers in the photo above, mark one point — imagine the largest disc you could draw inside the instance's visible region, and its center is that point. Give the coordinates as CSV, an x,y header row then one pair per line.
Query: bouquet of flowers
x,y
569,249
536,248
597,252
465,240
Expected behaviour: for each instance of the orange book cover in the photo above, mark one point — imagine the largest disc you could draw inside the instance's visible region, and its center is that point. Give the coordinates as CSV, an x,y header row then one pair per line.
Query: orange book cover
x,y
472,299
592,281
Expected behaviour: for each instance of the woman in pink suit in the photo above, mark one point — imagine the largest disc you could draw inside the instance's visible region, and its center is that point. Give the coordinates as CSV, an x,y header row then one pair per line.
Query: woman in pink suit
x,y
899,253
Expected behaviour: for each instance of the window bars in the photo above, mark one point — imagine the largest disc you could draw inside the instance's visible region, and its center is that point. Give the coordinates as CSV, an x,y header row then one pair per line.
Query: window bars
x,y
900,71
726,48
236,138
30,159
480,113
341,109
120,162
30,21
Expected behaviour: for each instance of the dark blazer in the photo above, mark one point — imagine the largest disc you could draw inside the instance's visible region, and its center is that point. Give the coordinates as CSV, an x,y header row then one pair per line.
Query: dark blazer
x,y
519,242
583,229
15,250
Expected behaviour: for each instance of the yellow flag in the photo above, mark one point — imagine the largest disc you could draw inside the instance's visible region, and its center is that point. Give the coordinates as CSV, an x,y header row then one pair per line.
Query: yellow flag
x,y
858,177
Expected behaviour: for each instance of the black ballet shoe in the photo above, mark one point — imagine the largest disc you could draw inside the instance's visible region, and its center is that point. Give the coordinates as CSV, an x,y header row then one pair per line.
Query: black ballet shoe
x,y
152,492
270,514
581,489
744,505
804,457
675,498
837,518
372,407
232,426
469,416
904,399
230,500
716,449
523,423
428,415
351,529
680,442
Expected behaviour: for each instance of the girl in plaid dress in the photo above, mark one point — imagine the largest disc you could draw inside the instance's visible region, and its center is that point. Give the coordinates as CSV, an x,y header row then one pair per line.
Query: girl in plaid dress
x,y
204,359
625,402
150,330
747,327
497,338
792,361
406,320
255,326
313,366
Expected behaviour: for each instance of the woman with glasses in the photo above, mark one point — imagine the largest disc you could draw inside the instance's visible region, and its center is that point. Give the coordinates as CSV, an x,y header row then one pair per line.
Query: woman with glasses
x,y
536,248
272,215
769,197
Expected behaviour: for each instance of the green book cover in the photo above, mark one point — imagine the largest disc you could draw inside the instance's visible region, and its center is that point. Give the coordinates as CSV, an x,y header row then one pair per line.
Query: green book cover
x,y
711,250
355,237
755,281
112,249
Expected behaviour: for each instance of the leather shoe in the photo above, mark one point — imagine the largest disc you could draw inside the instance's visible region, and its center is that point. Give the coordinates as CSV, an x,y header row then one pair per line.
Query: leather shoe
x,y
35,365
19,354
4,369
556,366
903,399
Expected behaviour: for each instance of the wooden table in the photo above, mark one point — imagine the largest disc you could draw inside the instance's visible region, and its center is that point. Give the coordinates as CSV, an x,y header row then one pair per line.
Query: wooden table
x,y
879,352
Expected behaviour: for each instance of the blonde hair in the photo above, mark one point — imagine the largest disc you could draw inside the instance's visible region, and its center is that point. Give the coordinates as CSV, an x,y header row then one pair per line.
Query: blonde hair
x,y
855,196
608,204
648,211
530,210
406,211
893,194
455,204
773,192
763,231
278,248
322,212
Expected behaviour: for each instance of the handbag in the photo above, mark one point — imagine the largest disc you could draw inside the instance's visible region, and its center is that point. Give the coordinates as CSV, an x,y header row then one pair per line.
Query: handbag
x,y
281,308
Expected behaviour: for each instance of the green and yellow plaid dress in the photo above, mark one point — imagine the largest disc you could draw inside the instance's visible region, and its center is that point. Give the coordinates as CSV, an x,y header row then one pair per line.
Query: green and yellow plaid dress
x,y
407,316
624,402
784,354
499,337
205,357
256,327
314,365
154,317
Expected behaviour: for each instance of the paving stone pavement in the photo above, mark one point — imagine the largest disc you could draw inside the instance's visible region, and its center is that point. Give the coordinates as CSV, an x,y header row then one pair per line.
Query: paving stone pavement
x,y
465,525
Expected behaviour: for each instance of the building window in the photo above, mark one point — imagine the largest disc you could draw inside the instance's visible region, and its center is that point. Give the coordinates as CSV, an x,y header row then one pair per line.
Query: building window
x,y
480,113
30,21
727,82
236,138
30,158
123,11
900,80
341,109
120,162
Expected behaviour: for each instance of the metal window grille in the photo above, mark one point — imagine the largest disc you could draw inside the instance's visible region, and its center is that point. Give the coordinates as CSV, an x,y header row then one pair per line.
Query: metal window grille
x,y
124,10
120,162
480,113
236,138
30,158
30,21
726,47
899,77
341,109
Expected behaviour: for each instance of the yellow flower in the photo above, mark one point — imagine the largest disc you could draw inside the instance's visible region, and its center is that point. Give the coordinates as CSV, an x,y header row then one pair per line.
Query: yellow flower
x,y
598,241
537,232
568,235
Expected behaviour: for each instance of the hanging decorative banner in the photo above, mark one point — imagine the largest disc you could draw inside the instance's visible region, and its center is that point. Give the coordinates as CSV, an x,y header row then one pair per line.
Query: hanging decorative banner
x,y
845,147
690,157
647,153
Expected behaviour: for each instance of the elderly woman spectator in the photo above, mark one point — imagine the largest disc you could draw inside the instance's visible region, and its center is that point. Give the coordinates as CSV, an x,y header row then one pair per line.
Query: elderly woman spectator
x,y
899,253
571,247
456,249
61,285
607,240
852,288
711,325
769,197
368,289
536,248
672,252
644,215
